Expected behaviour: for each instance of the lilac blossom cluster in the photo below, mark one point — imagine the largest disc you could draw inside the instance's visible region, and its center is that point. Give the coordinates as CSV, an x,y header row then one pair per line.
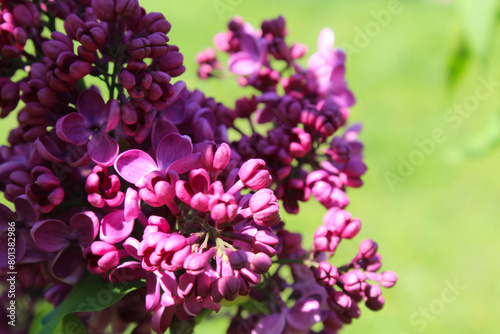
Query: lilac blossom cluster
x,y
139,181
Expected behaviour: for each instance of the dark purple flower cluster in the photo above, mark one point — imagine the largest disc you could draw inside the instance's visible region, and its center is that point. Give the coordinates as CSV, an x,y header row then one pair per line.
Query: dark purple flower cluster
x,y
140,182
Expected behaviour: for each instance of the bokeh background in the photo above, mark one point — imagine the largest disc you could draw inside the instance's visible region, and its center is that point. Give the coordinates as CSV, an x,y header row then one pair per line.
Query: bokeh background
x,y
427,82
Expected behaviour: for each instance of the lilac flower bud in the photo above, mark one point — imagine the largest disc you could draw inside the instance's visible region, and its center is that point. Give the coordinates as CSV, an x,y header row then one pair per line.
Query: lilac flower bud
x,y
245,107
265,241
389,279
298,50
326,274
339,301
368,248
325,240
159,222
265,208
71,25
352,228
9,96
225,288
171,63
373,291
372,264
196,263
91,36
223,208
58,44
158,42
102,257
275,27
261,263
104,10
238,259
375,304
103,189
332,322
46,192
139,49
26,15
154,22
215,158
354,281
127,8
253,174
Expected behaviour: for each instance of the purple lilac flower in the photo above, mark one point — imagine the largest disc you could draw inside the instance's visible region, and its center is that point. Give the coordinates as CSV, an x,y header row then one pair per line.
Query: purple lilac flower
x,y
184,209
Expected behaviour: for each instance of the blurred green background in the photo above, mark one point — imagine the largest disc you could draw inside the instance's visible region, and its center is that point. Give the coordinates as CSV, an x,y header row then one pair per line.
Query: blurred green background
x,y
430,203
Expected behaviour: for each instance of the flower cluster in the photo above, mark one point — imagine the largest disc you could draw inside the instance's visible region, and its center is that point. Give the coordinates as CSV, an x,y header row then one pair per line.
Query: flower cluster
x,y
138,180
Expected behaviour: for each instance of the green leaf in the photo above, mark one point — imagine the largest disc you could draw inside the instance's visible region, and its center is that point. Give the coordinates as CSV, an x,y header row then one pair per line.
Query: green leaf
x,y
479,19
460,58
70,324
90,294
42,308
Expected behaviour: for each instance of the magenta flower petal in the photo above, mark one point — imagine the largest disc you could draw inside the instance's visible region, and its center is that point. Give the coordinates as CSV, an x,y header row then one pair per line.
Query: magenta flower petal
x,y
114,227
131,207
273,323
304,314
90,105
24,210
250,45
73,128
162,317
113,114
133,165
84,226
6,216
242,63
131,245
69,265
172,148
325,41
186,164
103,149
50,235
153,292
161,128
127,272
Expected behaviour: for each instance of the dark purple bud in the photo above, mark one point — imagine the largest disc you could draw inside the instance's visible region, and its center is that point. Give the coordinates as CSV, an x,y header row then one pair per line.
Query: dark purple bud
x,y
261,263
71,24
104,10
127,8
375,304
171,63
339,301
91,36
246,107
373,291
139,49
58,44
159,45
225,288
154,22
238,259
